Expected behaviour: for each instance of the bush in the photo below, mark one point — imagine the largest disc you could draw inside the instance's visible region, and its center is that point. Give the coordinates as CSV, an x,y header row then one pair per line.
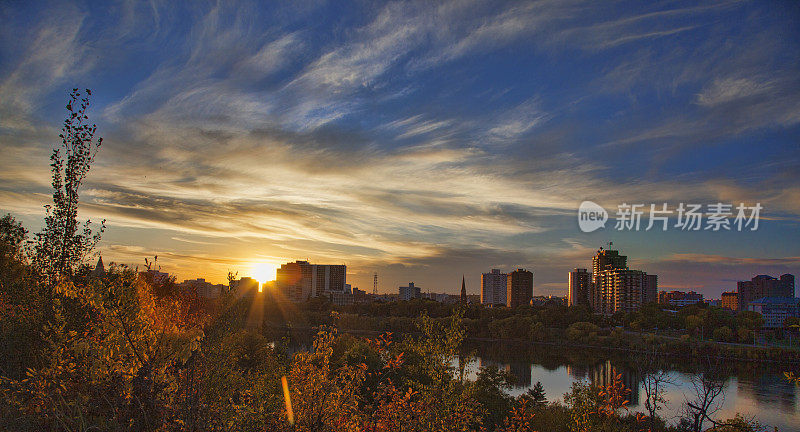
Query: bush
x,y
582,331
723,334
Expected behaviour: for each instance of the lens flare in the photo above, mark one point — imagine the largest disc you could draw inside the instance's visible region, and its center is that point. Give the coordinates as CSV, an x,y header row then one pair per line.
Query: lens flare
x,y
263,272
287,398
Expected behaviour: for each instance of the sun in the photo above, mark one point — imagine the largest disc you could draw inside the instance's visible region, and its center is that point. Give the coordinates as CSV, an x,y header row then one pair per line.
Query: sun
x,y
263,272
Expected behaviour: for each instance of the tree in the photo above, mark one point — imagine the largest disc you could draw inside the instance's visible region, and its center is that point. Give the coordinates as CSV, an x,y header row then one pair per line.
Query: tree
x,y
655,382
708,388
536,395
12,264
63,243
489,389
520,418
21,307
12,233
723,334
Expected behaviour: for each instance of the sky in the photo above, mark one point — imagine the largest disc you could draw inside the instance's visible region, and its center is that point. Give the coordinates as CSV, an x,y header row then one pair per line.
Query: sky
x,y
419,140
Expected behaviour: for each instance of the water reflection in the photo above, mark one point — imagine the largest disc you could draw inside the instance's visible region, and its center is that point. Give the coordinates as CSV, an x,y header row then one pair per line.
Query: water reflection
x,y
520,371
773,390
751,389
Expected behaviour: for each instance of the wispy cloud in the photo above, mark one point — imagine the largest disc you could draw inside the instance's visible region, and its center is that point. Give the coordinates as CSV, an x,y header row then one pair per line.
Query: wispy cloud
x,y
517,121
733,261
410,137
731,89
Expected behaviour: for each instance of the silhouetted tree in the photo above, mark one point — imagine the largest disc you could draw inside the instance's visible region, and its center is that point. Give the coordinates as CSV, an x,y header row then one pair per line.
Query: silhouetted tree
x,y
536,395
655,382
12,233
709,388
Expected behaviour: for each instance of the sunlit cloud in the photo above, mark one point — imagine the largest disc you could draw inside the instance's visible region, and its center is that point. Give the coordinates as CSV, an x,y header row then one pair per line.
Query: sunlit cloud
x,y
422,140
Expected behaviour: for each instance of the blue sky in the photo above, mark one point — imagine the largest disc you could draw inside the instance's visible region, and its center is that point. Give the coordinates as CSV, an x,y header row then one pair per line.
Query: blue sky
x,y
421,140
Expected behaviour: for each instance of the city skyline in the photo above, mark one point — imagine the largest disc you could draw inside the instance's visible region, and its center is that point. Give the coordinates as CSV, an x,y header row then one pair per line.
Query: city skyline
x,y
422,142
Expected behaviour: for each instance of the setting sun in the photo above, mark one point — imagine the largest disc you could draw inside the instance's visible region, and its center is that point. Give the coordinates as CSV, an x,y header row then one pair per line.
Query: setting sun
x,y
263,272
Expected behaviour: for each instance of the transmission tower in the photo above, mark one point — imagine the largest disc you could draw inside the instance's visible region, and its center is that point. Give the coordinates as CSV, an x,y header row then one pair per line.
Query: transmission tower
x,y
375,284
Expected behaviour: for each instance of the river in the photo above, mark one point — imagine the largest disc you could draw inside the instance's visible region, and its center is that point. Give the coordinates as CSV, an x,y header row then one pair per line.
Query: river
x,y
751,389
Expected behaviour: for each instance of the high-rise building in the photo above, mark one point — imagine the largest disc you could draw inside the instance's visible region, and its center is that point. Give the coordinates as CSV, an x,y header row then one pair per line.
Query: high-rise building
x,y
620,290
787,282
409,292
650,289
246,286
580,283
615,287
519,290
293,280
730,300
301,280
327,278
764,286
493,288
605,259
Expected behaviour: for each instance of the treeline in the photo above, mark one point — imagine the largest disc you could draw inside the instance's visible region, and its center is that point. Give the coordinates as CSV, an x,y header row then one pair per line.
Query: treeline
x,y
692,331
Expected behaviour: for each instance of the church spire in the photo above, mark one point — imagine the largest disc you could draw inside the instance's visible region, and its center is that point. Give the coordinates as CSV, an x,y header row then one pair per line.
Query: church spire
x,y
463,290
99,269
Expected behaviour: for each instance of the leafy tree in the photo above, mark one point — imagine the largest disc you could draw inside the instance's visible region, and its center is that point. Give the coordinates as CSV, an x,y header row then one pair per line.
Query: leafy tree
x,y
582,331
489,389
12,234
738,424
63,243
520,419
21,304
723,334
13,268
791,323
162,285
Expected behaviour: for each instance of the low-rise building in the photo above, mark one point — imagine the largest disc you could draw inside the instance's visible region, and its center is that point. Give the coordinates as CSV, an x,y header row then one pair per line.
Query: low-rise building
x,y
730,300
679,298
775,310
442,297
339,298
360,296
409,292
201,288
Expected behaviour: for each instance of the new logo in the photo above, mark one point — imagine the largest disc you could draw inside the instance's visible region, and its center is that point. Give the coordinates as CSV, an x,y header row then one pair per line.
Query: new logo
x,y
591,216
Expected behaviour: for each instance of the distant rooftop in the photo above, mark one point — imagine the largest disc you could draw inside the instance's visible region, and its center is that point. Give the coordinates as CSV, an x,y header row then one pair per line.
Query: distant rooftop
x,y
776,300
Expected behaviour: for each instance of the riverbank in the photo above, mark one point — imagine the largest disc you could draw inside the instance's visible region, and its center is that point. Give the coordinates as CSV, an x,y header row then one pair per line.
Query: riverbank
x,y
613,341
